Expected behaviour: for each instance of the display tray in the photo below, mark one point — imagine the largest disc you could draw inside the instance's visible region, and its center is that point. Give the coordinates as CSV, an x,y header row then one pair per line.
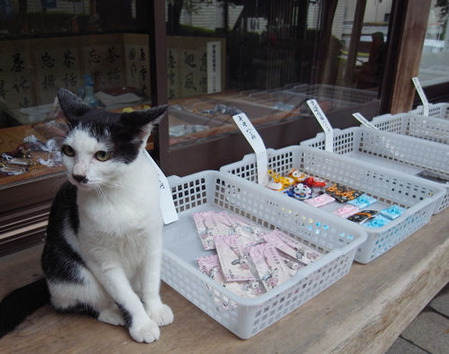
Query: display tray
x,y
401,154
436,110
427,128
346,96
417,196
245,317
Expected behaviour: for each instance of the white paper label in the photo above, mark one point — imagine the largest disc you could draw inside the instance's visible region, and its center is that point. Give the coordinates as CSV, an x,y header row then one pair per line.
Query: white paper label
x,y
324,122
213,67
364,121
168,209
256,142
422,96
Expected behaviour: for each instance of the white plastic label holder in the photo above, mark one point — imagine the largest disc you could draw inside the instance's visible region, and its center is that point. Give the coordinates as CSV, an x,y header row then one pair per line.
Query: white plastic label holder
x,y
422,96
256,142
168,209
364,121
324,122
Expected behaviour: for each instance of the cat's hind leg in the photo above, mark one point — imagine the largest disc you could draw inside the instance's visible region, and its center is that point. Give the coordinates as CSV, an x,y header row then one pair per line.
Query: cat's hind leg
x,y
87,297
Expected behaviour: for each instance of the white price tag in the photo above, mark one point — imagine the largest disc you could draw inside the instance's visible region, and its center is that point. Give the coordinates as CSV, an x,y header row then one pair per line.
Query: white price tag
x,y
324,122
168,209
364,121
422,96
256,142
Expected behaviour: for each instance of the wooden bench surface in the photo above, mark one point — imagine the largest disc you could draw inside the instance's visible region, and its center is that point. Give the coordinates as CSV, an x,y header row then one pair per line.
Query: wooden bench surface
x,y
362,313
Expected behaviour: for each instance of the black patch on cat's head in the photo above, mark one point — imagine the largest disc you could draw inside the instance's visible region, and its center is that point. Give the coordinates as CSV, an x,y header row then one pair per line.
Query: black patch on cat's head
x,y
124,132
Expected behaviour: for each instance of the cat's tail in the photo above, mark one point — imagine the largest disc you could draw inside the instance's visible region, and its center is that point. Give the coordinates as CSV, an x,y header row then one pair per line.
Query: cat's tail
x,y
20,303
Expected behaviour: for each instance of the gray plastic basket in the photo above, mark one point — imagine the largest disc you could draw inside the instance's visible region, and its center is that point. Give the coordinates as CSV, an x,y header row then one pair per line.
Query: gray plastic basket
x,y
212,190
417,195
411,124
399,153
436,110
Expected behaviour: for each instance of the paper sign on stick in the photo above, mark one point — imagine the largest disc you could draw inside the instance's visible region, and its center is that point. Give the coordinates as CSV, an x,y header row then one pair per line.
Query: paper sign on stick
x,y
168,209
256,142
324,122
422,96
364,121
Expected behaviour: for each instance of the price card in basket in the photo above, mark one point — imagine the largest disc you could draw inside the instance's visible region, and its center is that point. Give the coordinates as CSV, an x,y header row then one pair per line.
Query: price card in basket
x,y
324,122
364,121
168,209
256,142
422,96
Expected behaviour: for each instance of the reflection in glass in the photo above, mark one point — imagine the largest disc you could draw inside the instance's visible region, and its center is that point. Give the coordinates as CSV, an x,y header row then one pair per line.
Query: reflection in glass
x,y
434,65
268,58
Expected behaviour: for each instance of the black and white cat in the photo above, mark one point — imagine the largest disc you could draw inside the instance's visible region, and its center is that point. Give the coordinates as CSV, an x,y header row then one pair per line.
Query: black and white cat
x,y
103,247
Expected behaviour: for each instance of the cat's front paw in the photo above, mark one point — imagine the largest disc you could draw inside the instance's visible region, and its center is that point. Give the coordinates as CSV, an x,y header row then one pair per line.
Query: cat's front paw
x,y
147,333
162,315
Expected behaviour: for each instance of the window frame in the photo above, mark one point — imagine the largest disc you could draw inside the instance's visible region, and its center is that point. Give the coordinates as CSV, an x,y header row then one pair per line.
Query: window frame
x,y
25,205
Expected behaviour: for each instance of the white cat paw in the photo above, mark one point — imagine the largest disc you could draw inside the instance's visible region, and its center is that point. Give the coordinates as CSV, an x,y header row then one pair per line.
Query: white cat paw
x,y
112,316
147,333
162,315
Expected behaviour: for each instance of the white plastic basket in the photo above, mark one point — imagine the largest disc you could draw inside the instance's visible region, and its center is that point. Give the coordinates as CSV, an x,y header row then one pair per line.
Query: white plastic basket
x,y
415,194
401,154
212,190
436,110
411,124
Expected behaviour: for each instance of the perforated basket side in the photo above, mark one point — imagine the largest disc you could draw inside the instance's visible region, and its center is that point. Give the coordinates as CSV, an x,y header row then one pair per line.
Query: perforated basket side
x,y
385,184
394,123
419,196
436,110
246,317
431,129
345,141
405,150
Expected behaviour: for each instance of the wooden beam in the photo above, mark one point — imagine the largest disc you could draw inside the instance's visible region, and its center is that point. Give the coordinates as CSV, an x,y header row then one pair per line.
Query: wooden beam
x,y
364,312
410,44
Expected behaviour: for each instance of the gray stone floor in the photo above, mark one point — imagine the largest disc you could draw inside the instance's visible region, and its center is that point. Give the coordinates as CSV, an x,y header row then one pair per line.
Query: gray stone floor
x,y
429,331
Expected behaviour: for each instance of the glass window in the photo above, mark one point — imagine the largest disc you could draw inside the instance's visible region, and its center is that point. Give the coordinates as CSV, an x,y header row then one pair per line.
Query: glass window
x,y
434,65
265,59
93,48
98,50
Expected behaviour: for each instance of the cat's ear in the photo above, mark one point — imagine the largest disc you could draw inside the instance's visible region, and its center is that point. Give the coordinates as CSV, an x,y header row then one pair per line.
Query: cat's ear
x,y
144,121
71,104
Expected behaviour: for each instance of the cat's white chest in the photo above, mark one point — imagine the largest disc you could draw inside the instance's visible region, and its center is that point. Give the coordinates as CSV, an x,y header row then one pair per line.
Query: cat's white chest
x,y
120,214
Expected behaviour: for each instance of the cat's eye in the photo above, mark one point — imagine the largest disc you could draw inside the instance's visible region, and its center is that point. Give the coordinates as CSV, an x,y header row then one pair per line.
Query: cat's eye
x,y
68,150
102,155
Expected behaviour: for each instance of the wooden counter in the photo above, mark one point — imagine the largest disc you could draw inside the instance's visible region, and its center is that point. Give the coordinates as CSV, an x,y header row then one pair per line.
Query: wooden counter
x,y
362,313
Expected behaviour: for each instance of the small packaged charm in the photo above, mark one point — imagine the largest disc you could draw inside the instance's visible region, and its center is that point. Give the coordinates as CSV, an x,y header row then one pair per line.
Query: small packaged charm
x,y
363,201
363,216
314,182
286,182
378,221
291,247
321,200
341,193
208,225
297,175
392,212
234,262
346,210
269,265
300,192
210,265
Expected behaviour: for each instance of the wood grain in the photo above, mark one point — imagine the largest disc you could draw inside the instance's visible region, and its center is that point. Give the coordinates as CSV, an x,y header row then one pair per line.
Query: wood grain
x,y
362,313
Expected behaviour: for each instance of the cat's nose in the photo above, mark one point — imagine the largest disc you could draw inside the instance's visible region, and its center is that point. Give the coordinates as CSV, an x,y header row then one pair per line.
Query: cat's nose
x,y
80,178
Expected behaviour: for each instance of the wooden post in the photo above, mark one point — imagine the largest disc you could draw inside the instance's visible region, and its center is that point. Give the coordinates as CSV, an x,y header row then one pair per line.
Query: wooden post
x,y
158,74
409,46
